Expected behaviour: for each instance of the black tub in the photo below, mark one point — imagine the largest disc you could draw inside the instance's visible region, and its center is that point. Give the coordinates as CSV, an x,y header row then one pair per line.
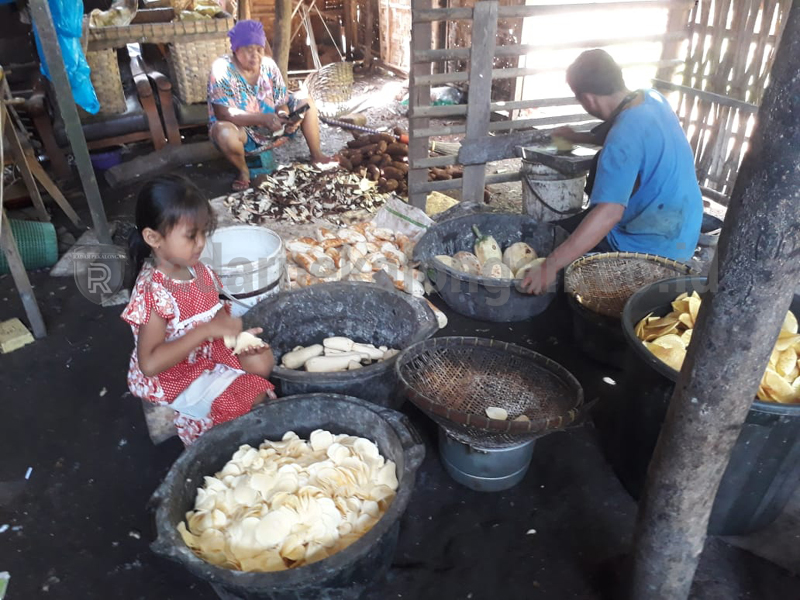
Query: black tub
x,y
346,574
361,311
484,298
598,336
765,464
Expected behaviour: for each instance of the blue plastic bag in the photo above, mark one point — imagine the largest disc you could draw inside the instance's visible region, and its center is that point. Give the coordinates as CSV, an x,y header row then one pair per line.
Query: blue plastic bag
x,y
68,21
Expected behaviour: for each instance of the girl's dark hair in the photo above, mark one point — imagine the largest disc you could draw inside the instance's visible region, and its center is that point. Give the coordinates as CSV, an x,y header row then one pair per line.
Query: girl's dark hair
x,y
161,204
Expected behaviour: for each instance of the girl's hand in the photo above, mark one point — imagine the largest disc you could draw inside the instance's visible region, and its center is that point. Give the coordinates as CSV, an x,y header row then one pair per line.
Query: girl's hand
x,y
223,324
259,349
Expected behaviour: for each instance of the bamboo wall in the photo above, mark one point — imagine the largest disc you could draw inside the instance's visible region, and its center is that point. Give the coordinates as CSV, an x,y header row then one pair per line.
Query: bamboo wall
x,y
730,53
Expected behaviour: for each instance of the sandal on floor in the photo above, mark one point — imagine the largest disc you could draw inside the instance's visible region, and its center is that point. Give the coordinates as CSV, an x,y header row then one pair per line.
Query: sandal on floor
x,y
240,185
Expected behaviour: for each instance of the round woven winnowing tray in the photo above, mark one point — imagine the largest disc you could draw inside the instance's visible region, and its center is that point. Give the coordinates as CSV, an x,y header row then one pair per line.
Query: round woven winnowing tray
x,y
455,379
603,282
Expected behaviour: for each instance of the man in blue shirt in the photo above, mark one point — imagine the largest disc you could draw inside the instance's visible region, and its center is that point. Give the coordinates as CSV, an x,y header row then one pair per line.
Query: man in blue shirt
x,y
644,194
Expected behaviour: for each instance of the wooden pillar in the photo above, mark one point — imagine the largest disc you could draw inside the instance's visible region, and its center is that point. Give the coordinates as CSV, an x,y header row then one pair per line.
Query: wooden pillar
x,y
43,21
369,30
282,35
481,59
243,10
752,283
419,95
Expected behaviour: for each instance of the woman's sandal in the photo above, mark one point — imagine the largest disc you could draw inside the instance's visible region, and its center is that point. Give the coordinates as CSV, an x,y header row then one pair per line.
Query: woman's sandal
x,y
240,185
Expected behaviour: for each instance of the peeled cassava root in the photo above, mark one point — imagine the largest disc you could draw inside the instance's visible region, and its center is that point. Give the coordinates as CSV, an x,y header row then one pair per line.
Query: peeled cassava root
x,y
488,260
336,354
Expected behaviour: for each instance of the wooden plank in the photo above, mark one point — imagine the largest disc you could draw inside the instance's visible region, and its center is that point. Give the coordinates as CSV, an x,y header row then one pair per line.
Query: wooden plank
x,y
9,246
451,184
21,161
745,107
54,192
508,125
419,95
480,93
497,147
534,10
459,110
525,123
435,161
521,49
463,76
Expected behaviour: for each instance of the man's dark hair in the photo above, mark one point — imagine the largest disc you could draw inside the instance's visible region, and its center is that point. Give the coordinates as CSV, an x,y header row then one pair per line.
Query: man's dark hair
x,y
595,72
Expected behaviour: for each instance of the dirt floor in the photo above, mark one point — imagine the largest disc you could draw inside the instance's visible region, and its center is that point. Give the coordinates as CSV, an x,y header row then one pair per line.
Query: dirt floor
x,y
79,527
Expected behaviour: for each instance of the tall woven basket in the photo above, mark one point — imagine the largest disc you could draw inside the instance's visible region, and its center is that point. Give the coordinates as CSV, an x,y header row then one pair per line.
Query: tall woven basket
x,y
107,81
331,87
190,64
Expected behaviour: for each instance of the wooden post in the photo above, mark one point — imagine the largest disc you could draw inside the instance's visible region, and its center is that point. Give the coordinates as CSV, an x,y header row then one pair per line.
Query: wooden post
x,y
43,20
282,35
369,29
752,284
419,95
481,60
18,154
243,10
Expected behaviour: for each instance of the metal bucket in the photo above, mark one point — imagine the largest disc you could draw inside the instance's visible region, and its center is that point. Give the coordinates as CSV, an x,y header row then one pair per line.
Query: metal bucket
x,y
549,195
250,262
485,469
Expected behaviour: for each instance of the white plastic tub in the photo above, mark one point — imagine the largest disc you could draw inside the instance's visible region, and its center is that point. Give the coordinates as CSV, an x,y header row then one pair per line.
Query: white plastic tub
x,y
250,262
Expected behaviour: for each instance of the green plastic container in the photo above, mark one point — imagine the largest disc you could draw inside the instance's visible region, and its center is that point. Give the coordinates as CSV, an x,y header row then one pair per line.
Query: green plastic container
x,y
37,243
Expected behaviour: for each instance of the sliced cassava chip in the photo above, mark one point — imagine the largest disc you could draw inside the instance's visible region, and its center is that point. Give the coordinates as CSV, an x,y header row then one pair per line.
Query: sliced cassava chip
x,y
289,501
497,413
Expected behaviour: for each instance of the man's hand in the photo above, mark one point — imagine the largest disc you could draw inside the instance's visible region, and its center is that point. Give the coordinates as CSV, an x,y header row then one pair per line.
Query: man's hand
x,y
540,278
271,121
567,133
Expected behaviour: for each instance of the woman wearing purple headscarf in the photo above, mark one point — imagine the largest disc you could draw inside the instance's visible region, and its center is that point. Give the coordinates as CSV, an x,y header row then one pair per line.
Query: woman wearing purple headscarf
x,y
247,101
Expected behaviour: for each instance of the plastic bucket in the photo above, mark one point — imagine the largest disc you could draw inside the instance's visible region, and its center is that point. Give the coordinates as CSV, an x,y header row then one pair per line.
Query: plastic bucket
x,y
250,262
764,468
346,574
549,195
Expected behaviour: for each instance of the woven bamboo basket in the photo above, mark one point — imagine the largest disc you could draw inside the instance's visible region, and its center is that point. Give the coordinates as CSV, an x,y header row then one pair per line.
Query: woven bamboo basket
x,y
107,81
602,283
331,87
190,64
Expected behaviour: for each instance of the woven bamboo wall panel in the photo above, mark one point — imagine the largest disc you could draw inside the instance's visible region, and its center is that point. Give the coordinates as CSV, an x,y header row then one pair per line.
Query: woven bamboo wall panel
x,y
190,65
395,28
731,51
107,81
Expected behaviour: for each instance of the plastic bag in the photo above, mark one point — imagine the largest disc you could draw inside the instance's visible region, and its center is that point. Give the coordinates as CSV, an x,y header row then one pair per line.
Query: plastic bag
x,y
68,21
403,218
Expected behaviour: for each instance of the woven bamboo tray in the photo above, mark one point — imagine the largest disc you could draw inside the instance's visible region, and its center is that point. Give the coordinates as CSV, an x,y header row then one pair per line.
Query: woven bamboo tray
x,y
158,33
455,379
602,283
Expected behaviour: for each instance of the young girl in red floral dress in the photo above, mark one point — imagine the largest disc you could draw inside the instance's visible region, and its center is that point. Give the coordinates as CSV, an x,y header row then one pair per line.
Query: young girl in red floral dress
x,y
178,322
